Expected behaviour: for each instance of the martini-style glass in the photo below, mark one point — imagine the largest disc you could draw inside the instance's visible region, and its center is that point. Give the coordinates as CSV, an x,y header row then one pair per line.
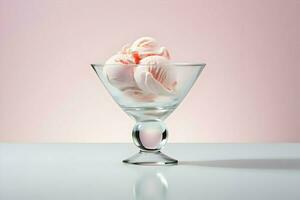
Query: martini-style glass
x,y
150,110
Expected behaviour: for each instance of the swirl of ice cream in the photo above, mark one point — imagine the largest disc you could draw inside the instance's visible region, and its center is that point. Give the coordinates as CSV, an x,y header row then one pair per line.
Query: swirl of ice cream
x,y
155,76
147,46
142,70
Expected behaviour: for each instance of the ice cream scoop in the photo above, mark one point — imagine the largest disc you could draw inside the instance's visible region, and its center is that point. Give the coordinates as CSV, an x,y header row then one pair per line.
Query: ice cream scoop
x,y
119,70
147,46
141,70
154,75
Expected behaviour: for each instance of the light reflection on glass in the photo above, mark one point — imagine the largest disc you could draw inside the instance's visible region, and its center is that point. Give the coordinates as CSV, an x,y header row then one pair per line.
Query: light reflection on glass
x,y
151,186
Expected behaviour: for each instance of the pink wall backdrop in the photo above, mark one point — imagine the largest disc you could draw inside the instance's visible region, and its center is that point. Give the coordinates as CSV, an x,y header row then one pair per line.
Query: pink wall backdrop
x,y
249,91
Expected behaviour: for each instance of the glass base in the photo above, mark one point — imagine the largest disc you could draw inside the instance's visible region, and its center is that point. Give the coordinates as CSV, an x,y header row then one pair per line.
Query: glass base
x,y
150,158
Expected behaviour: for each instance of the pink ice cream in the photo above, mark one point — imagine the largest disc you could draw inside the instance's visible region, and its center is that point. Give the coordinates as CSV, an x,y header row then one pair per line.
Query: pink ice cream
x,y
147,46
155,76
120,71
142,70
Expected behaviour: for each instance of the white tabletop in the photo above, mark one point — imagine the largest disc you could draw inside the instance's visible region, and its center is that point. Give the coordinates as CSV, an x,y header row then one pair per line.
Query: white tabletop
x,y
95,171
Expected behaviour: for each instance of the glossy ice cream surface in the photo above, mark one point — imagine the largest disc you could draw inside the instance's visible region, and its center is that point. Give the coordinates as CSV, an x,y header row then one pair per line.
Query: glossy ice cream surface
x,y
142,70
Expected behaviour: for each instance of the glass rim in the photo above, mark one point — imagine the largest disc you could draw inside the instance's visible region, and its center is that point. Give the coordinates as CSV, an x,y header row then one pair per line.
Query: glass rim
x,y
182,64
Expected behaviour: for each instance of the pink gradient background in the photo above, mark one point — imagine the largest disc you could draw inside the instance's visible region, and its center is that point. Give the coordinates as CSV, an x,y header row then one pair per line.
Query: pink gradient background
x,y
249,91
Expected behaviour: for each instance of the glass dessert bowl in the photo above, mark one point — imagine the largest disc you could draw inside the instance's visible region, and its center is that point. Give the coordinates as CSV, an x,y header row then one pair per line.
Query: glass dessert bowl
x,y
149,100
